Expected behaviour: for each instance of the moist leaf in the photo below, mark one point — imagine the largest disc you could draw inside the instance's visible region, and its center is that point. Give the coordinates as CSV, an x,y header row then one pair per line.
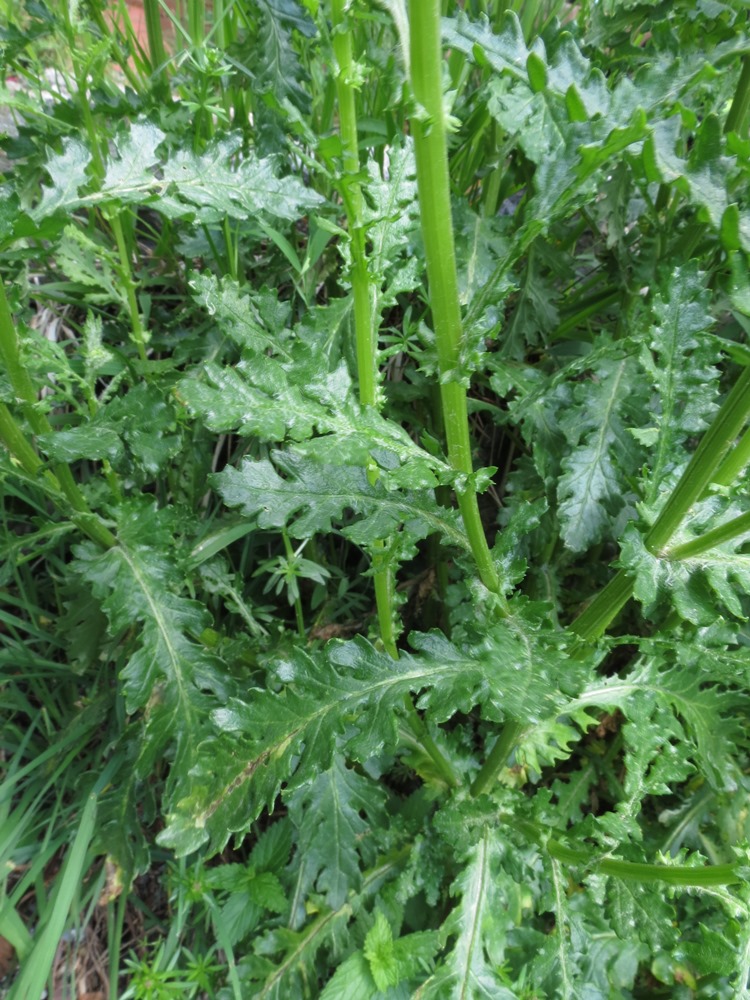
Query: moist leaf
x,y
697,586
313,496
346,699
170,679
591,487
477,922
186,184
333,815
680,360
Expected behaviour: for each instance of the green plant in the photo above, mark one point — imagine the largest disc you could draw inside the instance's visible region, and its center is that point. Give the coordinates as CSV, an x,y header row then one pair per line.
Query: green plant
x,y
429,324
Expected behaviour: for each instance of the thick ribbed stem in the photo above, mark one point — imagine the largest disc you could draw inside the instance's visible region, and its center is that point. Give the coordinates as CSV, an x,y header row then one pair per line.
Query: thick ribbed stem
x,y
498,757
437,230
635,871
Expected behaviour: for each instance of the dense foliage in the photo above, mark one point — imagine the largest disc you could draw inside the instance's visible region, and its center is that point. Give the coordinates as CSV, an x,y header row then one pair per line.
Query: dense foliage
x,y
375,534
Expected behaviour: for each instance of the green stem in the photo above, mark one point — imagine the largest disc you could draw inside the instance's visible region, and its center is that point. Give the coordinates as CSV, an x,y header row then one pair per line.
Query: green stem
x,y
363,313
17,444
735,462
590,307
119,56
196,21
737,119
156,51
115,218
366,341
422,734
362,291
702,467
724,533
20,380
437,230
116,922
16,441
433,184
219,29
699,474
498,756
597,616
685,875
384,598
136,325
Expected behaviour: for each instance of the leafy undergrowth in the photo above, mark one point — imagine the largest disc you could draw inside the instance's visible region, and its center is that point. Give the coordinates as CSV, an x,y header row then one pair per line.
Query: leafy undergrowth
x,y
373,617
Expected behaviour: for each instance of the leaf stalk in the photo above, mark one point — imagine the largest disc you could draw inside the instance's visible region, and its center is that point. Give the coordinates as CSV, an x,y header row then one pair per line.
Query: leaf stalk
x,y
724,533
683,875
497,758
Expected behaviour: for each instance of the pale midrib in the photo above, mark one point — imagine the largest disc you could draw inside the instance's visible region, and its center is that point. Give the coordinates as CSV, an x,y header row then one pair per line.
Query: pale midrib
x,y
476,917
337,704
604,438
163,629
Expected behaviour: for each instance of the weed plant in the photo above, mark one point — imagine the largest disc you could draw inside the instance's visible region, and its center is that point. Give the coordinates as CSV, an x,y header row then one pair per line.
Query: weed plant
x,y
375,517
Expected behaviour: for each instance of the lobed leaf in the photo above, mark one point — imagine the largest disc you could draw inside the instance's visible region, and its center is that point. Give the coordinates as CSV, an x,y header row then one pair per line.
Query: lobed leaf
x,y
208,187
333,815
313,496
591,489
347,699
170,679
679,358
697,586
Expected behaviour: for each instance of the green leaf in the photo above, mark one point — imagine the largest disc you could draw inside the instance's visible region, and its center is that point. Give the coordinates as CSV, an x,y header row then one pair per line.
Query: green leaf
x,y
347,698
591,489
291,956
208,187
379,952
67,171
254,319
313,496
697,586
333,815
504,51
145,419
707,711
353,978
642,911
272,847
479,923
679,358
277,68
391,221
657,755
169,674
275,400
712,954
89,263
704,177
94,440
211,186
